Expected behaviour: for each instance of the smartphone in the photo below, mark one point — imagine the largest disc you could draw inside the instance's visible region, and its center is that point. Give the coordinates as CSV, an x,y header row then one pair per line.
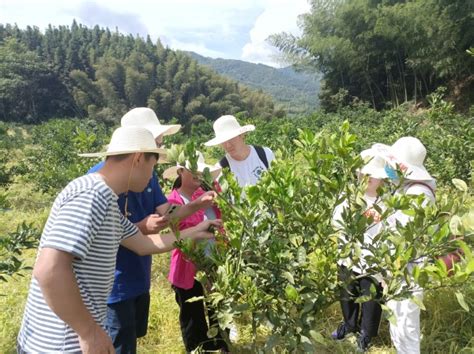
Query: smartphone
x,y
173,208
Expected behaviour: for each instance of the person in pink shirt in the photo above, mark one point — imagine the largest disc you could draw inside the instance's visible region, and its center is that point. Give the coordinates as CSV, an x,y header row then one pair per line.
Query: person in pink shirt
x,y
192,317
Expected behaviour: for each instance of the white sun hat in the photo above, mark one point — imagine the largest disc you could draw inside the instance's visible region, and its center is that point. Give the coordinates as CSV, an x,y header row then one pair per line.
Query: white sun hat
x,y
408,154
226,128
146,118
374,164
128,140
172,172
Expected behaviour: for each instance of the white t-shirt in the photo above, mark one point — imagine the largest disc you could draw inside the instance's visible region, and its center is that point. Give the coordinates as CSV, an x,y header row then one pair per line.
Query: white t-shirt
x,y
86,222
412,188
371,232
247,172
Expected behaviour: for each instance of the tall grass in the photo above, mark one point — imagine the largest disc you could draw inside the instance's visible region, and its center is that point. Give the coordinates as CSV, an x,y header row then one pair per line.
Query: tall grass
x,y
446,327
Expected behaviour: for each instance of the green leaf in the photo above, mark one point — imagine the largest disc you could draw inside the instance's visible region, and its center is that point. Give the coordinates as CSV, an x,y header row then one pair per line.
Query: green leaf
x,y
470,267
307,344
455,225
461,301
273,340
465,248
301,255
459,184
288,276
423,278
318,338
291,293
416,272
419,302
468,221
362,299
409,212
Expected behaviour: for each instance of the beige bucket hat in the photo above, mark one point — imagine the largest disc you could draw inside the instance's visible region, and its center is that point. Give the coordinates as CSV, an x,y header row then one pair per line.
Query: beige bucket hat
x,y
409,154
172,172
226,128
129,140
146,118
374,164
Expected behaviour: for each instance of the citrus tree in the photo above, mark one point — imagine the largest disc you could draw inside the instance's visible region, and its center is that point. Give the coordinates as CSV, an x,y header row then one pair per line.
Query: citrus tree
x,y
277,263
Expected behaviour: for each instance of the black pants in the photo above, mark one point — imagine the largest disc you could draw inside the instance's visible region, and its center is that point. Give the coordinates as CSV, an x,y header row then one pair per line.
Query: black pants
x,y
192,318
126,321
370,311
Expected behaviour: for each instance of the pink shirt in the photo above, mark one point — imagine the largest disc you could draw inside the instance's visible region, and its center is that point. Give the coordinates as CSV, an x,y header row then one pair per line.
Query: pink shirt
x,y
182,271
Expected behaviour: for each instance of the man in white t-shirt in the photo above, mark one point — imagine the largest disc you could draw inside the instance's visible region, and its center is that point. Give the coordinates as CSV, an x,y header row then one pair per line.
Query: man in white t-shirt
x,y
246,162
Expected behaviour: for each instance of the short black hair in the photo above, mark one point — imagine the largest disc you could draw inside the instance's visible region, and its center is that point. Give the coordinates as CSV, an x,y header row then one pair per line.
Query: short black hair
x,y
122,157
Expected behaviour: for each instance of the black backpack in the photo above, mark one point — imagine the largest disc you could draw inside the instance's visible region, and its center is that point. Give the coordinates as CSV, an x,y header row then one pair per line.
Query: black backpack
x,y
260,152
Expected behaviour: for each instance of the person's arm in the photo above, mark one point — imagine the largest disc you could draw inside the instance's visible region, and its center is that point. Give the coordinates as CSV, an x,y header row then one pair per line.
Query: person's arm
x,y
156,222
153,223
206,200
203,202
153,244
54,274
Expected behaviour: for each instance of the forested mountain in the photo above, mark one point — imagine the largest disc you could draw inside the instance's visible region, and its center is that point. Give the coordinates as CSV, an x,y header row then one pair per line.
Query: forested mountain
x,y
296,91
79,71
387,52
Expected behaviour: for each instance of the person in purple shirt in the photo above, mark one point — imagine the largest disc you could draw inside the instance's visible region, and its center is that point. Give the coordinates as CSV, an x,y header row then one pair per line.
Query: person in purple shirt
x,y
129,302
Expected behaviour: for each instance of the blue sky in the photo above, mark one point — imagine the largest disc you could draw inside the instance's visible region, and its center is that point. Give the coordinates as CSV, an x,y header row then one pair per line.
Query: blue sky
x,y
234,29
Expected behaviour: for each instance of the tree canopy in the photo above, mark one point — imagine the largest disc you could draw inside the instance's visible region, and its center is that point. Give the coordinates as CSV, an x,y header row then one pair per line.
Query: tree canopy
x,y
79,71
386,52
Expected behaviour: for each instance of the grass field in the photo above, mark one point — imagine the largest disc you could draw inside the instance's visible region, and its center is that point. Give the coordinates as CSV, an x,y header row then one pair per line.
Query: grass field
x,y
446,327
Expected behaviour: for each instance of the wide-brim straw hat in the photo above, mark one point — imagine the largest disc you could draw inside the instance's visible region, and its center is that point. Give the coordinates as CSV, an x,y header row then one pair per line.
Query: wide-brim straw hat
x,y
226,128
374,164
214,170
146,118
129,140
408,154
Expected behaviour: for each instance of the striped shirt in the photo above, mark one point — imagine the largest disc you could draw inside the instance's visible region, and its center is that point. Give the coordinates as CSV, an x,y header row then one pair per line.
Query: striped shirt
x,y
86,222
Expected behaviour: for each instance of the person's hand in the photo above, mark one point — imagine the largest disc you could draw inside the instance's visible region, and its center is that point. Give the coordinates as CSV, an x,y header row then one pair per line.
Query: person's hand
x,y
153,223
96,341
206,200
203,230
374,214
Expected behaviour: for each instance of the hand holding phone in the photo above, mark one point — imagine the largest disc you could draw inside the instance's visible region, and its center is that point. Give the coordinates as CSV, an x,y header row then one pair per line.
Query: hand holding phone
x,y
172,209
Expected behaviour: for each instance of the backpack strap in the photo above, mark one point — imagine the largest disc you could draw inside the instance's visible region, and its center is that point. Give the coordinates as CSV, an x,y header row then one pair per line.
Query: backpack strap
x,y
261,154
423,184
224,162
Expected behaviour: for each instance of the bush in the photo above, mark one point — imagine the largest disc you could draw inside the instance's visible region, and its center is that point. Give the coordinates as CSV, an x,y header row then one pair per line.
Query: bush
x,y
53,161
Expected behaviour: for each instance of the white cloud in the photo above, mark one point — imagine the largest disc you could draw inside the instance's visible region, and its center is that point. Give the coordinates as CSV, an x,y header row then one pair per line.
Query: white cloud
x,y
215,28
278,16
199,48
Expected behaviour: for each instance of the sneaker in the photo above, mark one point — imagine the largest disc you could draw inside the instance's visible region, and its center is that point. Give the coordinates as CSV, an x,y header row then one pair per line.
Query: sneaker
x,y
363,342
341,332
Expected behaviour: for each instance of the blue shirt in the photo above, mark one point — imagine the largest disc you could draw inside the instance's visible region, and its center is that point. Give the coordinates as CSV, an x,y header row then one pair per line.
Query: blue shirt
x,y
132,272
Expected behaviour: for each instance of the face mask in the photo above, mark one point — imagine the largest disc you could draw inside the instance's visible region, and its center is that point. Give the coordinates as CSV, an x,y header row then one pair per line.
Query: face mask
x,y
391,173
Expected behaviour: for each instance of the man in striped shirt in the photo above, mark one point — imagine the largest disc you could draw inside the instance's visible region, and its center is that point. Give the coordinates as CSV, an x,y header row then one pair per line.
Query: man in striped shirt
x,y
74,270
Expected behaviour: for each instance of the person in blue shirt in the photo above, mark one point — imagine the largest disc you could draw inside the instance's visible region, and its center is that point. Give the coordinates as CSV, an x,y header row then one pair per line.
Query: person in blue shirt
x,y
128,303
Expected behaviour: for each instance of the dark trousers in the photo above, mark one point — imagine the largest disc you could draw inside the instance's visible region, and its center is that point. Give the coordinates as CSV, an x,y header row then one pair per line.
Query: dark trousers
x,y
126,321
370,311
192,318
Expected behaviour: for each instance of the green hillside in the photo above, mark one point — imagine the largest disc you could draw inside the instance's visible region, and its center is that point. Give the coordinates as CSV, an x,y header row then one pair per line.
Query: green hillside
x,y
296,91
93,72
